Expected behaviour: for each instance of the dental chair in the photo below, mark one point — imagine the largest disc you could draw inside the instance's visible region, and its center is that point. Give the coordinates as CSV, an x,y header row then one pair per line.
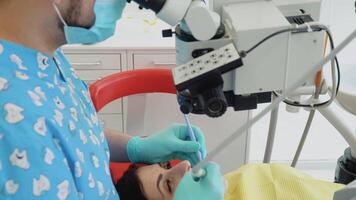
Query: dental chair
x,y
123,84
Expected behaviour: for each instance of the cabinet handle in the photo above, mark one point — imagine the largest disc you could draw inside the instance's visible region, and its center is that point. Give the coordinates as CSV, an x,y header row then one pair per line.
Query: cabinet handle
x,y
93,64
163,63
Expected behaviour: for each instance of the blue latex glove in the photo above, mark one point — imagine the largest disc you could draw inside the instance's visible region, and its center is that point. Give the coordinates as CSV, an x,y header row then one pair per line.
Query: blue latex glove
x,y
171,144
209,187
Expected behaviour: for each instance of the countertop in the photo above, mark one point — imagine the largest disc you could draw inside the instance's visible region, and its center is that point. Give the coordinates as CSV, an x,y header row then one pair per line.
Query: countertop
x,y
135,30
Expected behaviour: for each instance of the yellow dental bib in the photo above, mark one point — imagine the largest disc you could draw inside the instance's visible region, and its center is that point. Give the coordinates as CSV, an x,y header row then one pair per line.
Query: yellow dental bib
x,y
276,182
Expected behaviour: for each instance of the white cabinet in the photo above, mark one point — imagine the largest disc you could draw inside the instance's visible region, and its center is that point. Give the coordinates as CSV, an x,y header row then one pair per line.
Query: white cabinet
x,y
112,121
91,65
95,61
91,76
136,105
141,60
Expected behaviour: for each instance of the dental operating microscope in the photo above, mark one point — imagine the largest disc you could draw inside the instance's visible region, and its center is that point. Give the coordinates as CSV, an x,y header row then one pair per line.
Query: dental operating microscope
x,y
241,53
254,73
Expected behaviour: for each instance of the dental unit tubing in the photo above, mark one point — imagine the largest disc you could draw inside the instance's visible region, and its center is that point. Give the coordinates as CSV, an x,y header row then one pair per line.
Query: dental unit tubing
x,y
298,93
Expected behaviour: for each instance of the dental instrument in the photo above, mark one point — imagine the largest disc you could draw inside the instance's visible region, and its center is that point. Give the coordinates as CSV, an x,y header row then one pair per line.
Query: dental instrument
x,y
201,172
192,135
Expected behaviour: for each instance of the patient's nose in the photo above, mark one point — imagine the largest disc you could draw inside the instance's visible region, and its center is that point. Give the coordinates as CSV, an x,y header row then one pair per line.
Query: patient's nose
x,y
180,169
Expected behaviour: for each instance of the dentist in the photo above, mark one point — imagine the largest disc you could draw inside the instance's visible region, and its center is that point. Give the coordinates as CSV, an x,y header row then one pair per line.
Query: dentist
x,y
51,144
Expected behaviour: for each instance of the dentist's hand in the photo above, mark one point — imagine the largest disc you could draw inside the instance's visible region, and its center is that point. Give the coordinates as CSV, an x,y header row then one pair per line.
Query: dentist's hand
x,y
209,187
171,144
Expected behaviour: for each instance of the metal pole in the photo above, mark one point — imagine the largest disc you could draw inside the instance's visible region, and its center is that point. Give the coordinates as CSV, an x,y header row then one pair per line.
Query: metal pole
x,y
304,137
271,134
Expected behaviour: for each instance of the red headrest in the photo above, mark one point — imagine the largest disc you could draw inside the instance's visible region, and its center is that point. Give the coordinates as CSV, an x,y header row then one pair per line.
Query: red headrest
x,y
115,86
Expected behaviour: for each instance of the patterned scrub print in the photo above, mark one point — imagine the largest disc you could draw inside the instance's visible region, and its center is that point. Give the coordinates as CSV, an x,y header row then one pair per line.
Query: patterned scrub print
x,y
49,130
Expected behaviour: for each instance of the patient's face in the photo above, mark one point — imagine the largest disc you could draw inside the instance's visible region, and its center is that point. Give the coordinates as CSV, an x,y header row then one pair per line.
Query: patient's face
x,y
160,183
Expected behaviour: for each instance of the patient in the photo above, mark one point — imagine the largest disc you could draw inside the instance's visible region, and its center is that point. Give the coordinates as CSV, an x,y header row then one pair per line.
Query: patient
x,y
253,181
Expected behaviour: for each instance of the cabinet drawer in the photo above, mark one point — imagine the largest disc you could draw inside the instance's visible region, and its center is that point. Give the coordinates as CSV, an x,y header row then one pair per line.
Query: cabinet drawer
x,y
154,60
91,76
112,108
95,61
112,121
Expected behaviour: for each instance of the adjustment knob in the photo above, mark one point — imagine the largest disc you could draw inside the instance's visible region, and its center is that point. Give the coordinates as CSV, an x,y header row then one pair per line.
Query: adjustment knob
x,y
167,33
215,103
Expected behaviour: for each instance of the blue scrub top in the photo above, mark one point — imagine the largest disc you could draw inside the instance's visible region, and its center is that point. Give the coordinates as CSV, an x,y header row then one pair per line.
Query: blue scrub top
x,y
51,143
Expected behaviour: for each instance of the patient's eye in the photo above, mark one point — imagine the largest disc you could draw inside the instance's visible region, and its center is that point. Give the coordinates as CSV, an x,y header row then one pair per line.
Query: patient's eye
x,y
168,182
165,165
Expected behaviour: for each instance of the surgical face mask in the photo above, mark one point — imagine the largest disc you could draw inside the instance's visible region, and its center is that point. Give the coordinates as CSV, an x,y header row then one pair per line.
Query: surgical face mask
x,y
107,13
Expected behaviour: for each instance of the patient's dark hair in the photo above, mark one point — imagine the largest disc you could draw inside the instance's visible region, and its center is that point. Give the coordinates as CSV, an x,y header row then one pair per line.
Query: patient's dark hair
x,y
129,185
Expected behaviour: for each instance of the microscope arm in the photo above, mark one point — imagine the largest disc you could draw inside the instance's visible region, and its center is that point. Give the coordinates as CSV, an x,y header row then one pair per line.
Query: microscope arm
x,y
343,122
345,172
201,22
